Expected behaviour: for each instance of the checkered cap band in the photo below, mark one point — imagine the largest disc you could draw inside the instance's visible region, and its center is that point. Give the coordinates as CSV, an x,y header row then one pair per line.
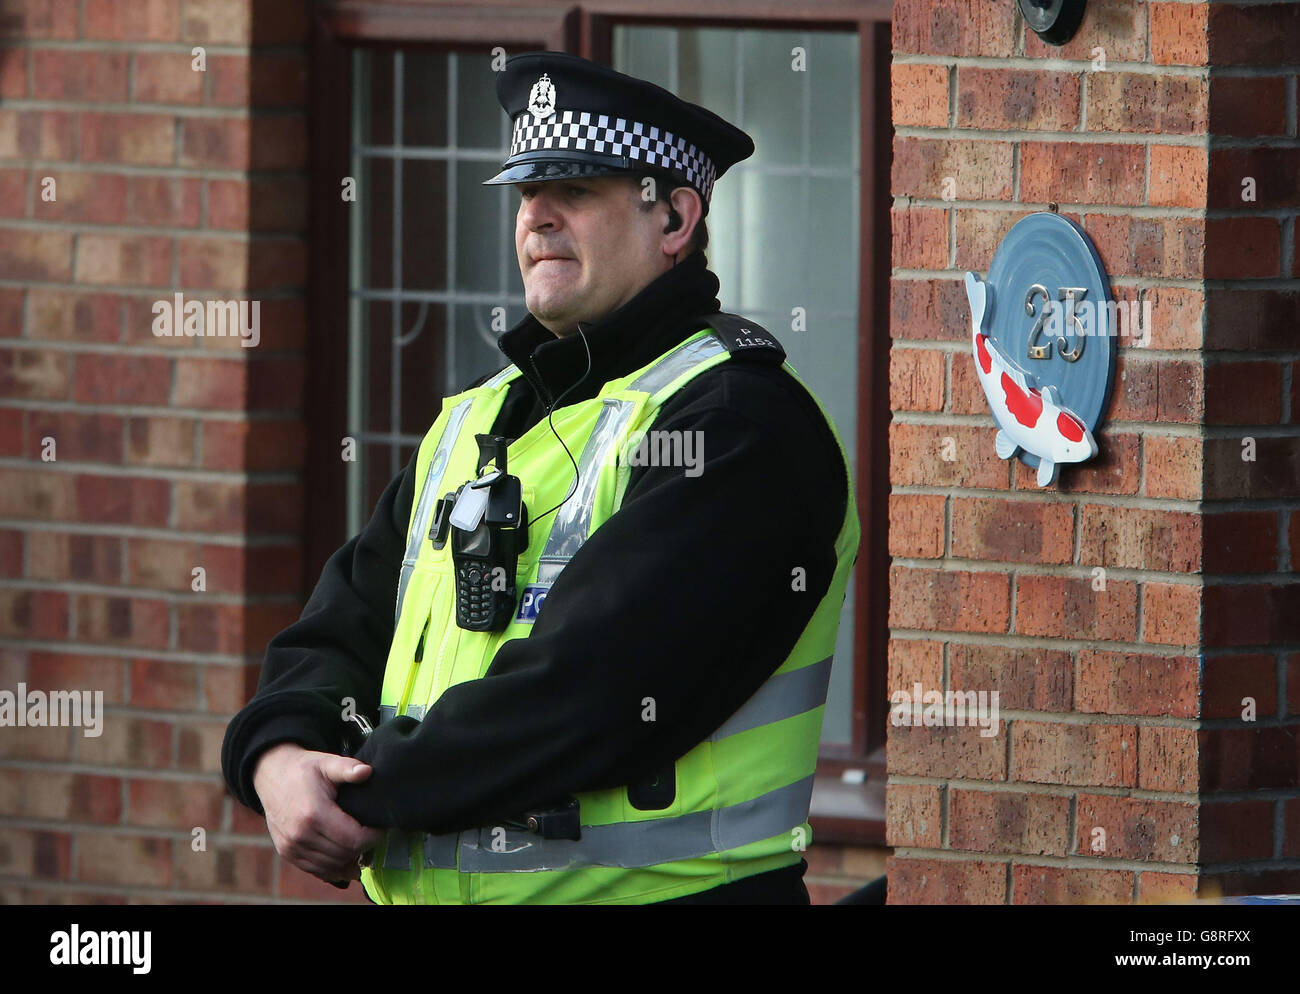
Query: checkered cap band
x,y
584,131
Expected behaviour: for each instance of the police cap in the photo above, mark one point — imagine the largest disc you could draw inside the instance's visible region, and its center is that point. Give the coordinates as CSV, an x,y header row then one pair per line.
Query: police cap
x,y
573,117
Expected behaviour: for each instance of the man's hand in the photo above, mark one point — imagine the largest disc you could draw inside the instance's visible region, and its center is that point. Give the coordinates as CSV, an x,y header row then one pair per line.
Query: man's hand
x,y
297,789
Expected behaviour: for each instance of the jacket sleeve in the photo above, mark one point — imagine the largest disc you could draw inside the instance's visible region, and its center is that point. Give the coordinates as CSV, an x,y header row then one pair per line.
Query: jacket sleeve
x,y
335,650
684,596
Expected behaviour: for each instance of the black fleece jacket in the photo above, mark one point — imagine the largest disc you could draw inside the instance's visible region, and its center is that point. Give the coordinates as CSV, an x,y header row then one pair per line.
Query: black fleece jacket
x,y
683,595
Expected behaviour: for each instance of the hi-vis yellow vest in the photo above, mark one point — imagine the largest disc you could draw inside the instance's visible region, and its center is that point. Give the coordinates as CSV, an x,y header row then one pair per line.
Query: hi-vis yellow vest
x,y
742,795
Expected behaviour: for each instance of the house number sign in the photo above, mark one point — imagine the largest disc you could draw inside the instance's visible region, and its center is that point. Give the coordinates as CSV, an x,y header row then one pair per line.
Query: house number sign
x,y
1043,337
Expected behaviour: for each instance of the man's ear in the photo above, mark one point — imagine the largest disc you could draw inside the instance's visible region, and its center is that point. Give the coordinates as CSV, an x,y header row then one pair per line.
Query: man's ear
x,y
686,202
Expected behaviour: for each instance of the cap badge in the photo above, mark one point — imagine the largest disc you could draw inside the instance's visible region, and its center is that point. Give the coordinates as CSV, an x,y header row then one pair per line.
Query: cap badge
x,y
541,99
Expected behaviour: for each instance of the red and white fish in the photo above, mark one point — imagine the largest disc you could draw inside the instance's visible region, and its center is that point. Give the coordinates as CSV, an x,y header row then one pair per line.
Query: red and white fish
x,y
1028,418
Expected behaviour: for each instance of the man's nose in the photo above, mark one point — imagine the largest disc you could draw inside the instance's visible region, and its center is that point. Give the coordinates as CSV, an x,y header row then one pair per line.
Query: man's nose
x,y
538,211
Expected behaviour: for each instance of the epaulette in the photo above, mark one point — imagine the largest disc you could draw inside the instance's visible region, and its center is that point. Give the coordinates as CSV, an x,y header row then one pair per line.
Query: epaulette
x,y
745,339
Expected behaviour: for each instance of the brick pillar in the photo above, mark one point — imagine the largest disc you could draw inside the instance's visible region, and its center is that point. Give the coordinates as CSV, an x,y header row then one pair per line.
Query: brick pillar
x,y
169,453
1250,770
1122,770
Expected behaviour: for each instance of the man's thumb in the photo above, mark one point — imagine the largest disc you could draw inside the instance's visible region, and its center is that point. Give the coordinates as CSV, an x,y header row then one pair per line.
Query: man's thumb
x,y
342,769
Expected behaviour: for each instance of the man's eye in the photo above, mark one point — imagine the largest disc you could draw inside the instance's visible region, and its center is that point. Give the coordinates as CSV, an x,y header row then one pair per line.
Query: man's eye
x,y
573,191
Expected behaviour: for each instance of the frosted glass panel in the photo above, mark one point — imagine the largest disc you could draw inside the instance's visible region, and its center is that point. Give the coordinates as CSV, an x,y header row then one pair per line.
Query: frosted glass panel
x,y
832,212
773,96
715,77
833,100
650,57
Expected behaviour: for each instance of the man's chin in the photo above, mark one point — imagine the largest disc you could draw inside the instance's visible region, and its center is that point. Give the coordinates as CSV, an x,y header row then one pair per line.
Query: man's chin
x,y
551,306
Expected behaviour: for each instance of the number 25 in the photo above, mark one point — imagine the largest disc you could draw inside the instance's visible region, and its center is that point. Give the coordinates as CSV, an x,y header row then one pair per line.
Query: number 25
x,y
1070,295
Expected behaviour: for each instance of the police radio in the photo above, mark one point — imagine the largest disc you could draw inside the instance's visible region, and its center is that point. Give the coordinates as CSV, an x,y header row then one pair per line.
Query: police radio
x,y
487,522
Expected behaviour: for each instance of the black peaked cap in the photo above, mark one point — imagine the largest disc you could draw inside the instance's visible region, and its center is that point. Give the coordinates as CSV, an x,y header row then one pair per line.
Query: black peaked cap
x,y
573,117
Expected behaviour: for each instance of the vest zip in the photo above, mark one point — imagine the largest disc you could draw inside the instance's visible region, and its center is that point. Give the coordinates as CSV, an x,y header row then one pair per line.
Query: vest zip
x,y
415,665
532,361
550,401
419,649
442,654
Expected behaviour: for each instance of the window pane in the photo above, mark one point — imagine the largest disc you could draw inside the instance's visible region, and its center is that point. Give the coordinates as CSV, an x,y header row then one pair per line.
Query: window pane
x,y
833,99
831,220
478,225
424,225
375,181
774,211
424,105
373,78
773,96
647,55
480,121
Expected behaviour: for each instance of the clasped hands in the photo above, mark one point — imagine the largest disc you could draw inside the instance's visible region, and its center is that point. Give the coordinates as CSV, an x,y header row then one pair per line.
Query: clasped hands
x,y
298,789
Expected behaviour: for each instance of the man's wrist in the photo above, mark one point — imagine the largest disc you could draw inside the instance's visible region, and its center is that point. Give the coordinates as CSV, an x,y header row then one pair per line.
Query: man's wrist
x,y
273,753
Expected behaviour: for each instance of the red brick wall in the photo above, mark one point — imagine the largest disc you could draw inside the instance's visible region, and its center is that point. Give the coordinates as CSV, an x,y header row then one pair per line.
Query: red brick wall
x,y
1121,708
170,453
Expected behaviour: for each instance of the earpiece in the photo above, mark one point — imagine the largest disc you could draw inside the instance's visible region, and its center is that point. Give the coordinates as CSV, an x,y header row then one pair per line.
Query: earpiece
x,y
674,221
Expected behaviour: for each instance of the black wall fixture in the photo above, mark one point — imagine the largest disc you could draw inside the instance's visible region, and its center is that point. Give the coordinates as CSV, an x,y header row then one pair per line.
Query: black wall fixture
x,y
1056,21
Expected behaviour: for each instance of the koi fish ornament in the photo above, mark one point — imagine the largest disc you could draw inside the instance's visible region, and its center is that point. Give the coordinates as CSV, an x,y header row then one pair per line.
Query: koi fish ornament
x,y
1027,418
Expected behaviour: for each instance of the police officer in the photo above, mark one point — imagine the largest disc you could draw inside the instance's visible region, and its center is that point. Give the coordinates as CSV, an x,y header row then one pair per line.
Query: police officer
x,y
620,702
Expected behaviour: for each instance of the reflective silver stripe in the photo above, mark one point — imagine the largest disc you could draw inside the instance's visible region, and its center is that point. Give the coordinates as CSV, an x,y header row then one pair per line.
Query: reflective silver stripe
x,y
416,711
783,696
630,844
500,379
677,362
432,483
398,854
387,712
573,519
